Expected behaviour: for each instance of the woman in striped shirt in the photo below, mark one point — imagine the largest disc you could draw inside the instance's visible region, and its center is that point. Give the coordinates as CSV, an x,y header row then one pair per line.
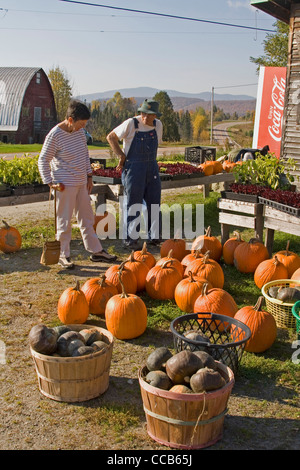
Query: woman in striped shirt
x,y
64,164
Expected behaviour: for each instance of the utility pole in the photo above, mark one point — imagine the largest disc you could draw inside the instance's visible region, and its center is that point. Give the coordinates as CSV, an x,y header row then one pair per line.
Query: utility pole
x,y
211,115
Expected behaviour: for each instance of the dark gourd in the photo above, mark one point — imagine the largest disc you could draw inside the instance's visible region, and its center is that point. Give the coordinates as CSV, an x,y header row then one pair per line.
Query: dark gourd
x,y
90,336
158,358
61,329
206,380
197,336
64,340
207,359
288,294
180,389
273,291
83,351
42,339
74,344
98,345
182,365
159,379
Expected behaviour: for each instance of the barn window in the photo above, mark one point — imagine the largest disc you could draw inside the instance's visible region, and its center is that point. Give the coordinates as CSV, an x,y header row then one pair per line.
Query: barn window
x,y
47,112
38,77
25,111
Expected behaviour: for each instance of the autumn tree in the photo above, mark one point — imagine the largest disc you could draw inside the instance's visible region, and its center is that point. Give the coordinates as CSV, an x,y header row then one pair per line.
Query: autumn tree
x,y
62,90
168,118
275,48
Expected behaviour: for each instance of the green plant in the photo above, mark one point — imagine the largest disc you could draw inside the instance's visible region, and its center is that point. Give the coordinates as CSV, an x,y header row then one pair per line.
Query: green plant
x,y
20,171
266,171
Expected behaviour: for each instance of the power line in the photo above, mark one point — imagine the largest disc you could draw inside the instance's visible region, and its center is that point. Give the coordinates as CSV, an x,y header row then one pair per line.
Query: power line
x,y
165,15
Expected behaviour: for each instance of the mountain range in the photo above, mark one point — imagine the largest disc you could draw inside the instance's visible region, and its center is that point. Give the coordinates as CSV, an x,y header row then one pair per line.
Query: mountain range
x,y
180,100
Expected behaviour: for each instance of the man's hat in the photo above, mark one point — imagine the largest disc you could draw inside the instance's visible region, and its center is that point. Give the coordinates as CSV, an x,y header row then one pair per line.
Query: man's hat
x,y
150,107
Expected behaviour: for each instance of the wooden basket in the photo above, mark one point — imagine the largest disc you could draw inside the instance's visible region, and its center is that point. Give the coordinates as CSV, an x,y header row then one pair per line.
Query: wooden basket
x,y
281,311
186,420
75,379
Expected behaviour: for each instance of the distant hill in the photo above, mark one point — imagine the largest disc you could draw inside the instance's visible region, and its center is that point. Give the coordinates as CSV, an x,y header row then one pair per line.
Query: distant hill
x,y
182,101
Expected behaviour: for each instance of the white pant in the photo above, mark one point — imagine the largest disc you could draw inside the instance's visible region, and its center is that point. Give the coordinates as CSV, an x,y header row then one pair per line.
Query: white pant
x,y
75,199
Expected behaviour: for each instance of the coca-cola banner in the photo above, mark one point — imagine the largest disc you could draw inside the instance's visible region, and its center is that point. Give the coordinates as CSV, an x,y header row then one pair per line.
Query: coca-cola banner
x,y
269,108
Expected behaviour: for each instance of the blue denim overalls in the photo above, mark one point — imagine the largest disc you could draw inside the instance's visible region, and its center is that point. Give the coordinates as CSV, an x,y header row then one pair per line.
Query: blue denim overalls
x,y
141,182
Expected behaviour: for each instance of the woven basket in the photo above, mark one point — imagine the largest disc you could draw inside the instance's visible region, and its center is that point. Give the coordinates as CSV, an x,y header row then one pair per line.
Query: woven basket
x,y
282,311
75,379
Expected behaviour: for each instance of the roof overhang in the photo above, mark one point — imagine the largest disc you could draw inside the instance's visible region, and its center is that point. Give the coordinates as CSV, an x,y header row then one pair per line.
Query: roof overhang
x,y
280,9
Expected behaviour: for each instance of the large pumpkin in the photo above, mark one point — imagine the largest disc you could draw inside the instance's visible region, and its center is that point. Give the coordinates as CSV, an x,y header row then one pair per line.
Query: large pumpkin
x,y
187,291
72,306
178,247
146,256
97,292
248,255
208,242
127,276
125,315
161,281
262,325
10,238
290,260
140,269
215,301
207,268
269,270
175,262
230,246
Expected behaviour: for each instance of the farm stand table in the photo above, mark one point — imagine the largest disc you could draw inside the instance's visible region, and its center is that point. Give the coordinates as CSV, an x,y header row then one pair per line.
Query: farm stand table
x,y
280,221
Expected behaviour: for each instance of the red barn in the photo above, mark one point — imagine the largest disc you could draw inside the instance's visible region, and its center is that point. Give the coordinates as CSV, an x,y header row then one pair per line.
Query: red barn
x,y
27,107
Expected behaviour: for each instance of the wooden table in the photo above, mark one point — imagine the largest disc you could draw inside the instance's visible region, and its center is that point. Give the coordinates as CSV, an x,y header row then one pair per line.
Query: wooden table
x,y
280,221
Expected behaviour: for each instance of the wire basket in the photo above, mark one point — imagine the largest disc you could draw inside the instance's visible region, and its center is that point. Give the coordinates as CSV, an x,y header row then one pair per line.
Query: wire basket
x,y
296,313
282,311
227,336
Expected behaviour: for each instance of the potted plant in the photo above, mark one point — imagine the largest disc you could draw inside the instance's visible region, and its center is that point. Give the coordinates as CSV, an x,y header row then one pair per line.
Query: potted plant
x,y
21,175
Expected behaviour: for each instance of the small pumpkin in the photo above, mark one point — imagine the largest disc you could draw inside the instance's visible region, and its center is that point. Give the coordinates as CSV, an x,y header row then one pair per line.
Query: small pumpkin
x,y
159,379
182,365
127,276
43,339
207,168
290,260
215,301
191,257
72,306
180,389
10,238
144,255
269,270
158,358
178,247
97,292
208,242
262,325
206,380
126,314
230,246
175,262
140,269
208,269
187,291
162,280
248,255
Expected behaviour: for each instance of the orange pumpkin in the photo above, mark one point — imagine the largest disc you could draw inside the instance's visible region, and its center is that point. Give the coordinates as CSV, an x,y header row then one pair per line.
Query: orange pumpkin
x,y
127,276
229,247
178,247
187,291
269,270
296,275
228,166
262,325
175,262
191,257
207,268
161,281
146,256
97,292
10,238
215,301
217,166
125,315
248,255
290,260
208,242
207,168
140,270
72,306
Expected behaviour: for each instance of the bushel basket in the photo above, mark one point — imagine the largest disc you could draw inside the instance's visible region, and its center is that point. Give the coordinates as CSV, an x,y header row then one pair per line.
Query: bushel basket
x,y
281,311
227,336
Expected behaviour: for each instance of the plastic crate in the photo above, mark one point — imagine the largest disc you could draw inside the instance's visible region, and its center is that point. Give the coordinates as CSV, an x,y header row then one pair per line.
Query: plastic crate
x,y
296,313
227,336
199,154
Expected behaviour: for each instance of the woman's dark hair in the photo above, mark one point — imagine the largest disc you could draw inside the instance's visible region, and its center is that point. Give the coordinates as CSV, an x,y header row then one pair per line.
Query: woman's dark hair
x,y
78,111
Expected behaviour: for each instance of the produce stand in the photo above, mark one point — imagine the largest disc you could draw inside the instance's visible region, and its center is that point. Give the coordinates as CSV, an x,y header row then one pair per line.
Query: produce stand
x,y
275,219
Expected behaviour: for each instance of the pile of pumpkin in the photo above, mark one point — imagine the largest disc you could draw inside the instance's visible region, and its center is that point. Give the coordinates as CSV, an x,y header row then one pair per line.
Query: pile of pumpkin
x,y
194,279
183,372
63,341
213,167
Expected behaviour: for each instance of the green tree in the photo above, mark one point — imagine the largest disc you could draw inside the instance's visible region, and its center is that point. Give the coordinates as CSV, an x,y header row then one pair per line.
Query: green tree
x,y
168,118
62,91
275,48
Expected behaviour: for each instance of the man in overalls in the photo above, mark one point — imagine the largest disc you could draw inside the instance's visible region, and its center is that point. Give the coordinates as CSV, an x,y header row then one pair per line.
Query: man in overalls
x,y
140,174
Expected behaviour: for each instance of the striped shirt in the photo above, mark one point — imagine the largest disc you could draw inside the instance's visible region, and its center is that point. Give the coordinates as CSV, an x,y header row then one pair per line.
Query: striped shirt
x,y
64,158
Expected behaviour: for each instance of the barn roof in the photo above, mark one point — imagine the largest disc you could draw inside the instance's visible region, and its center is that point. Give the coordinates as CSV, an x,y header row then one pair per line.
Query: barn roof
x,y
280,9
13,84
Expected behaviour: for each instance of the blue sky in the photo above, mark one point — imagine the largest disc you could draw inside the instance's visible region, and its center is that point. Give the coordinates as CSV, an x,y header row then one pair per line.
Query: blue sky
x,y
102,49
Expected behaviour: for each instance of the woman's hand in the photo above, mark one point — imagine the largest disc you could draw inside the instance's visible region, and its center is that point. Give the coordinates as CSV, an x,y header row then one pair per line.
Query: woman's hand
x,y
90,185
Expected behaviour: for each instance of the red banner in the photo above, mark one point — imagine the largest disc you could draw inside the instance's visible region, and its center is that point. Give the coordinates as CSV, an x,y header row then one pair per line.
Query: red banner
x,y
269,109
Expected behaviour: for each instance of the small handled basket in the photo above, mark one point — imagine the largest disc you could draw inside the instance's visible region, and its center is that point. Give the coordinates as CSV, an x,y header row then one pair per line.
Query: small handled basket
x,y
51,248
282,311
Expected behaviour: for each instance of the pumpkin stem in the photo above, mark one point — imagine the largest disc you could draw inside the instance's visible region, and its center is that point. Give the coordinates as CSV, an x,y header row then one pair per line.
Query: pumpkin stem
x,y
206,257
124,293
166,262
204,288
237,235
191,276
258,305
208,232
102,280
144,249
169,255
287,247
276,261
131,258
5,224
77,287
